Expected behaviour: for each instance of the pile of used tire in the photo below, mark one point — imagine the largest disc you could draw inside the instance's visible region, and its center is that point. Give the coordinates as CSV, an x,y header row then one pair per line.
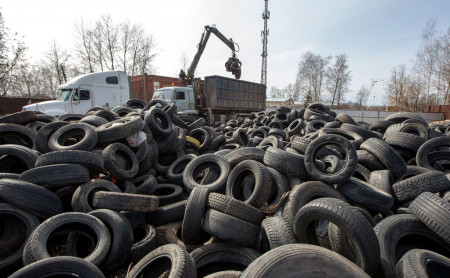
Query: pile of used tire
x,y
139,192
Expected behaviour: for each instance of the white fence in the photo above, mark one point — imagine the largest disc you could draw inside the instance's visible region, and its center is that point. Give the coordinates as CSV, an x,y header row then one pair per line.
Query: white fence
x,y
374,116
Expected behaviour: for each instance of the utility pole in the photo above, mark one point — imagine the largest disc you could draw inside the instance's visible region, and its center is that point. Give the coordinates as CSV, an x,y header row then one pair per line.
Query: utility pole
x,y
264,34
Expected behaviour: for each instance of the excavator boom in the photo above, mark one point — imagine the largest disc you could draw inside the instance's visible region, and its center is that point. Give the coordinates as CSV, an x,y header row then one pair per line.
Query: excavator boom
x,y
233,64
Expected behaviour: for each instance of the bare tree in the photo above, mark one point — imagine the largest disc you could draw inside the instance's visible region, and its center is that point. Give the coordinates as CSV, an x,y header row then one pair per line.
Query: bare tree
x,y
338,79
311,75
110,40
56,62
426,56
12,52
362,96
84,45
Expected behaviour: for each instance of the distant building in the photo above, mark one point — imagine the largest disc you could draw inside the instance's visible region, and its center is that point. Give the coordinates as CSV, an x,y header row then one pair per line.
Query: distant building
x,y
275,102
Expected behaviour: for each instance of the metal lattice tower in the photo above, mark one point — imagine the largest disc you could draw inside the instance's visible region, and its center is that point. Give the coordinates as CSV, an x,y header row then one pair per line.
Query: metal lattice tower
x,y
264,34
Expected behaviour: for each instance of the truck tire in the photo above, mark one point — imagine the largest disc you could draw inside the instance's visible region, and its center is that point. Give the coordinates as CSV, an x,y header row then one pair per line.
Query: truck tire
x,y
20,118
61,138
288,163
91,160
171,260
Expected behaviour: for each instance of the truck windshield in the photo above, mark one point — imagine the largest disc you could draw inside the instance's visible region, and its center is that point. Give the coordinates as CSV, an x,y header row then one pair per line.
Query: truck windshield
x,y
64,94
163,94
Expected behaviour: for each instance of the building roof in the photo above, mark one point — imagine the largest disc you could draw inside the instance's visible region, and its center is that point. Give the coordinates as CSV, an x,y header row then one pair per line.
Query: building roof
x,y
277,99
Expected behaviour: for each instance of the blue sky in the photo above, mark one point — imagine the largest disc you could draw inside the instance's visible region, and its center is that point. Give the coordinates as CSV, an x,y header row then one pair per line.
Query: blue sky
x,y
375,35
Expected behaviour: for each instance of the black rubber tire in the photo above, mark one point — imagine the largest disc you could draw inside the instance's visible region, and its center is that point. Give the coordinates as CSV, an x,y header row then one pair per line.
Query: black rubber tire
x,y
203,137
120,161
345,119
18,226
382,179
82,197
193,215
70,118
197,123
245,153
365,133
175,171
25,157
166,214
168,193
125,201
400,233
386,155
419,263
120,128
134,103
105,114
280,185
351,159
275,232
355,225
236,208
271,141
434,212
58,267
30,197
427,147
94,121
408,141
288,163
36,246
167,143
56,176
380,126
145,184
366,195
93,161
121,233
145,240
222,256
44,134
18,135
217,142
353,137
179,122
240,137
21,118
215,163
262,184
170,257
230,228
408,189
306,192
60,138
284,262
369,161
158,122
296,127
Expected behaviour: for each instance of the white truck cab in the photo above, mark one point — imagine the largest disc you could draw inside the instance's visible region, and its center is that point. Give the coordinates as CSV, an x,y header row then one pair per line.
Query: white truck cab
x,y
107,88
183,97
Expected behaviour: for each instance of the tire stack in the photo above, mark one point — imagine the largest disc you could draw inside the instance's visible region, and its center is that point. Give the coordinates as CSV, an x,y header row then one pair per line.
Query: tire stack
x,y
140,190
